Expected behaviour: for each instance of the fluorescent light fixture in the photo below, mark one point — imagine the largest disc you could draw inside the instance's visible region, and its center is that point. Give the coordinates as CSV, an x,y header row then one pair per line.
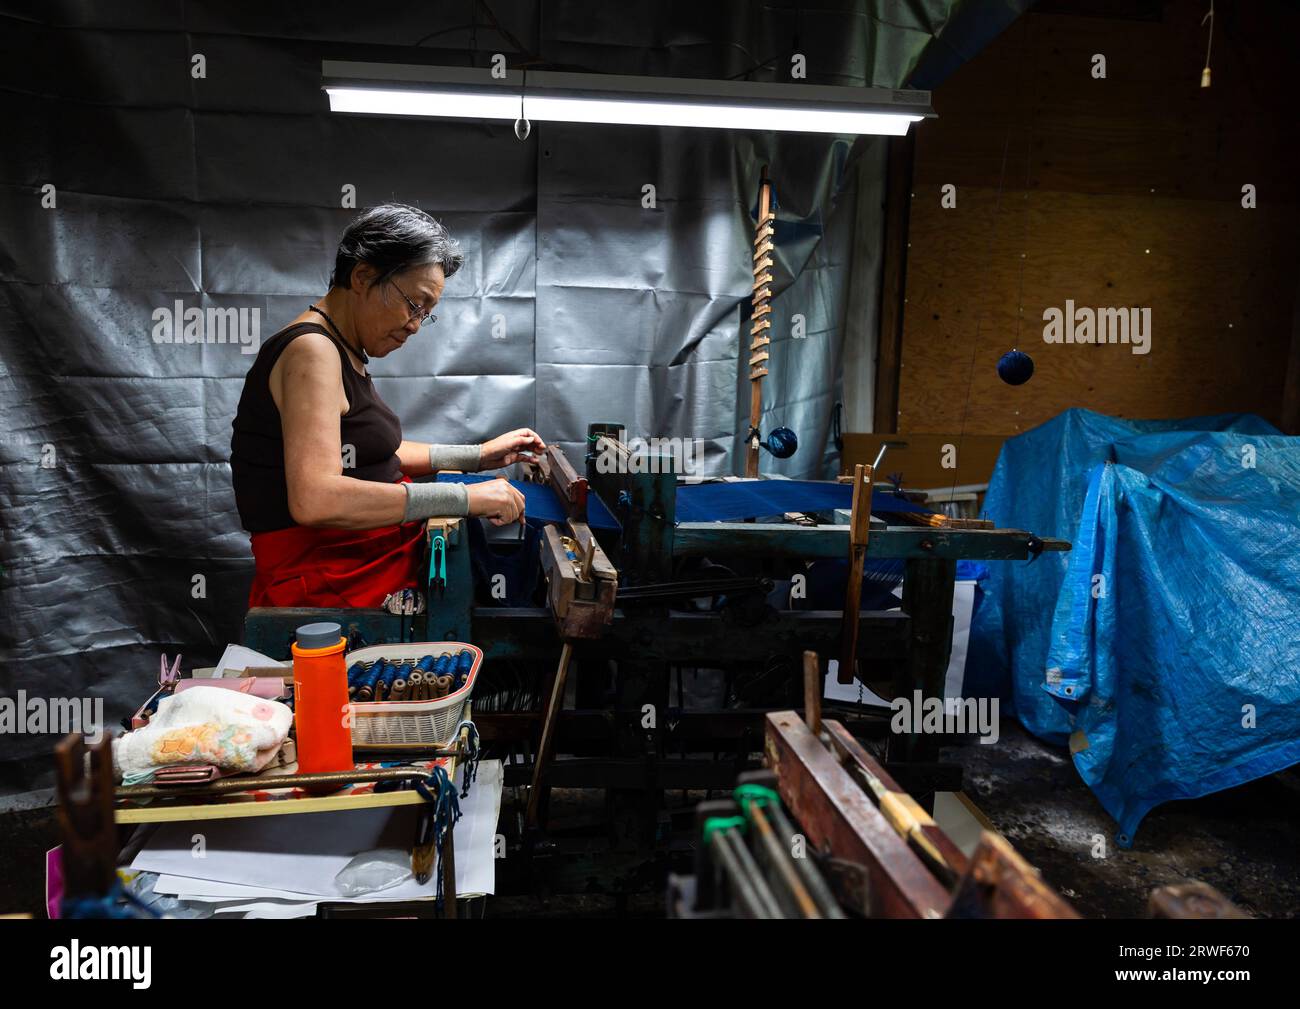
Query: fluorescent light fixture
x,y
466,105
733,117
467,93
457,105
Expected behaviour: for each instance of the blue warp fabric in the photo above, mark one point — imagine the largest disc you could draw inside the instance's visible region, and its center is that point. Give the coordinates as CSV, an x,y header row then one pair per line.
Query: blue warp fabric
x,y
540,503
517,563
828,582
733,502
710,502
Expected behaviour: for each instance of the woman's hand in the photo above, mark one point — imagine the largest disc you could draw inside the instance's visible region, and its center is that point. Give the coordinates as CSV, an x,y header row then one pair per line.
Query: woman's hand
x,y
505,449
495,500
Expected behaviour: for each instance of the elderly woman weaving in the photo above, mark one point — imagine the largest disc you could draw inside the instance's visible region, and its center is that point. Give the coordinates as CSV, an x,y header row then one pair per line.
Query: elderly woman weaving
x,y
320,469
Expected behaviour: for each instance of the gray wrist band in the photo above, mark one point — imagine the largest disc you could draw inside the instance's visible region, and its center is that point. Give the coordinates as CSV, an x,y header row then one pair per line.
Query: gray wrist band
x,y
435,500
462,457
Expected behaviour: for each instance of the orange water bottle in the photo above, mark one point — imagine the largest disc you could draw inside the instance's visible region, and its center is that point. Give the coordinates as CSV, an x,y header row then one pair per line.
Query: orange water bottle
x,y
320,699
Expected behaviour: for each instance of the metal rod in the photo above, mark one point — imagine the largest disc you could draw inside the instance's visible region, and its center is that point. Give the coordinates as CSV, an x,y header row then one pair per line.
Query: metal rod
x,y
813,879
779,859
748,887
228,785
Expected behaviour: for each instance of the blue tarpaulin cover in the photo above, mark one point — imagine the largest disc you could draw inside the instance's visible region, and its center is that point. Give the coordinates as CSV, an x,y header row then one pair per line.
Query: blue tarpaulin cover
x,y
1198,613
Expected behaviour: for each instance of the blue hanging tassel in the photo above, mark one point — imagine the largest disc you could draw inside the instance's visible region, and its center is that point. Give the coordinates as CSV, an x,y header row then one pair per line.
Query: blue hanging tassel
x,y
1015,367
470,773
438,789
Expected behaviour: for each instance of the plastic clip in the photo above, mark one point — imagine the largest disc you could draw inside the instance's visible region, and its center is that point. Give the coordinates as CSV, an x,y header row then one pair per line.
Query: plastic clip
x,y
438,565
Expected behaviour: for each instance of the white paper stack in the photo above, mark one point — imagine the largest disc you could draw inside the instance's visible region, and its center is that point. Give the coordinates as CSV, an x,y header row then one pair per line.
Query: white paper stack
x,y
236,658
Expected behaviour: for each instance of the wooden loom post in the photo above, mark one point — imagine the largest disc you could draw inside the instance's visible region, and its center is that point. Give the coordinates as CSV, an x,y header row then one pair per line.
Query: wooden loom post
x,y
761,317
859,531
812,692
549,722
85,816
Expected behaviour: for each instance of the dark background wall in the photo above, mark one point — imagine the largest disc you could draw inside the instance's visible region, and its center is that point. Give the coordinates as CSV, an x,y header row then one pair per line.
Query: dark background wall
x,y
120,534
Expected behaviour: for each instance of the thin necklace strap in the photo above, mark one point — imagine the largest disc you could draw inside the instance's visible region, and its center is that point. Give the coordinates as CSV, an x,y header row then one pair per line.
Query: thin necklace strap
x,y
361,353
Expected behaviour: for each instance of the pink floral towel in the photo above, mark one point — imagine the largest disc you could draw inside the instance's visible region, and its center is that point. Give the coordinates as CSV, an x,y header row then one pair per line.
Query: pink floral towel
x,y
204,725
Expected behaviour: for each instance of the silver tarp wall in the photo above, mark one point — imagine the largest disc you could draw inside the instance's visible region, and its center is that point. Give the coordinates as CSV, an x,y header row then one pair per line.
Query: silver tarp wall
x,y
134,191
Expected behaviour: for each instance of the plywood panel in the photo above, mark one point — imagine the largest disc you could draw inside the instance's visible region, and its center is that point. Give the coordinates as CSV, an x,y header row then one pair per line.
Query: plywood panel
x,y
920,458
1106,211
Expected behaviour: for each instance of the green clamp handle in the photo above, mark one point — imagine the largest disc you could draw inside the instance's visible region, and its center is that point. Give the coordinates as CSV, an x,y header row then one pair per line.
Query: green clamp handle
x,y
716,823
748,796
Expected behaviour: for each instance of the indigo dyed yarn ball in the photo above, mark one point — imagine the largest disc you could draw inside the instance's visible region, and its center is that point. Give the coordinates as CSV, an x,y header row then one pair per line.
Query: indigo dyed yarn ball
x,y
782,443
1015,367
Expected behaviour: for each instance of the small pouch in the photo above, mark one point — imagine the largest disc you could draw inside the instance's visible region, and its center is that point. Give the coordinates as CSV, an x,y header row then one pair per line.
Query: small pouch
x,y
186,774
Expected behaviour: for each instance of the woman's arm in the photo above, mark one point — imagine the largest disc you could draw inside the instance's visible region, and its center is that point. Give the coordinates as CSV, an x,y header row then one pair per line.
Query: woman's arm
x,y
308,389
418,458
413,458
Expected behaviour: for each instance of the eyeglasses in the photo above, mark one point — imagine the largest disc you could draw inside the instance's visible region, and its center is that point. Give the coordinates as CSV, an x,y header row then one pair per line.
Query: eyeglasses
x,y
426,318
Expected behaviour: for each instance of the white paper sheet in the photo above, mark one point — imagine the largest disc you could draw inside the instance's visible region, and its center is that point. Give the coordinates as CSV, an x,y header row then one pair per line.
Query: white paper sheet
x,y
269,909
190,888
849,692
963,602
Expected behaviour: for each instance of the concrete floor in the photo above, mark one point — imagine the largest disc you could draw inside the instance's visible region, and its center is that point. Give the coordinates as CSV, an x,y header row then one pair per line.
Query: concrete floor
x,y
1245,841
27,831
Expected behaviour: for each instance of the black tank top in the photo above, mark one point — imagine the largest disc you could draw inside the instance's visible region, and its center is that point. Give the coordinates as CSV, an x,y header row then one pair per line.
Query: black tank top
x,y
257,445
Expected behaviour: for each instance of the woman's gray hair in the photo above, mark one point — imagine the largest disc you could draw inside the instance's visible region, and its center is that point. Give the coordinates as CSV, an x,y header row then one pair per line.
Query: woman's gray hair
x,y
392,238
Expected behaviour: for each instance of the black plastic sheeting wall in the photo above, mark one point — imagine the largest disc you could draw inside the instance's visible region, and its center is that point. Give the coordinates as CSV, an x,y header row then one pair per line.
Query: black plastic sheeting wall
x,y
576,303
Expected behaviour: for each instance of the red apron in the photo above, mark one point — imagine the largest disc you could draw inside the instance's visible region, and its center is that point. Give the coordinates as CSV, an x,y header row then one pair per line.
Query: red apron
x,y
301,566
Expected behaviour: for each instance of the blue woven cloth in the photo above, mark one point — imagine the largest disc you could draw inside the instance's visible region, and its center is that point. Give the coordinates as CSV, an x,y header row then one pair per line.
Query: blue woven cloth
x,y
709,502
540,503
